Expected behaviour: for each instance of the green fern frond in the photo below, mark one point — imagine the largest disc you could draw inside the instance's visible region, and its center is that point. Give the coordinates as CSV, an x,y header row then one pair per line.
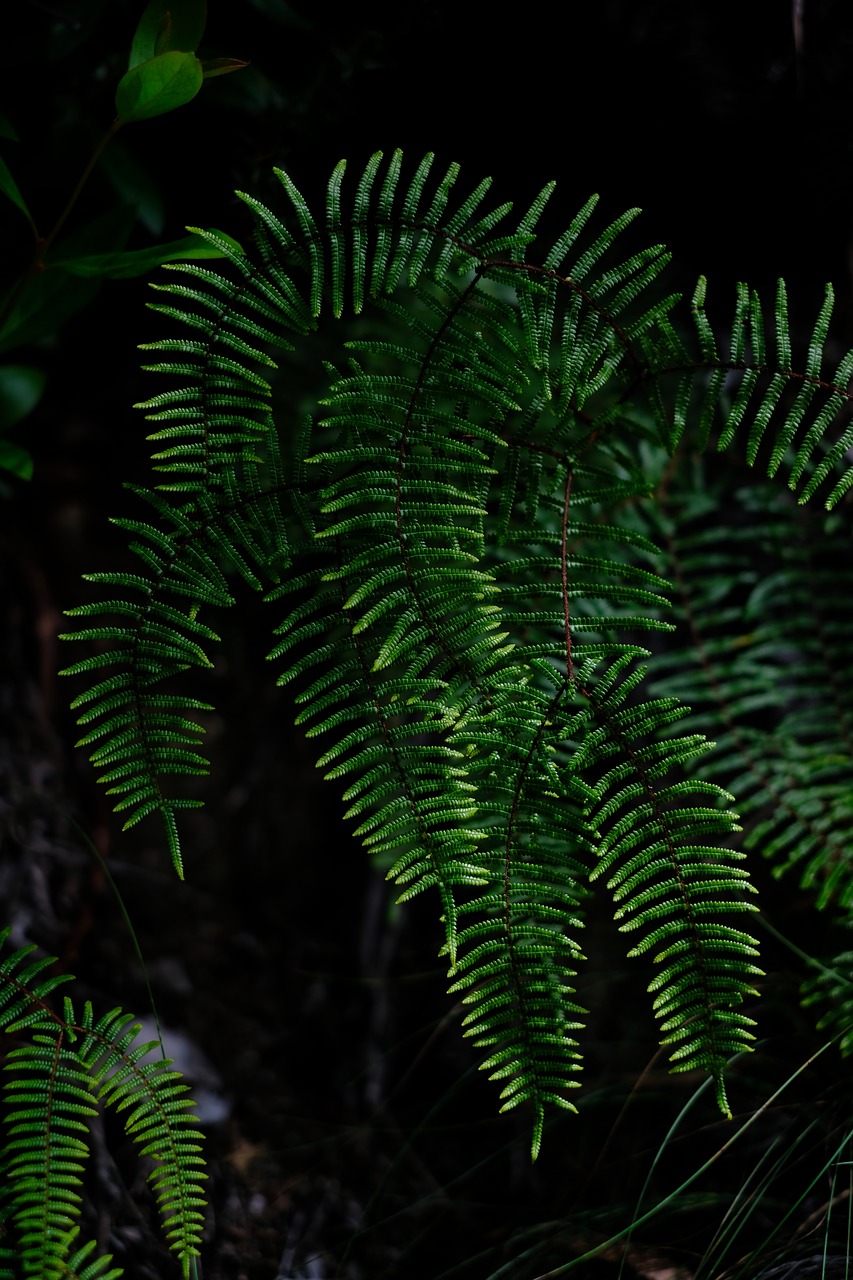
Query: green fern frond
x,y
516,952
65,1068
159,1120
766,382
771,694
668,882
142,734
82,1266
829,988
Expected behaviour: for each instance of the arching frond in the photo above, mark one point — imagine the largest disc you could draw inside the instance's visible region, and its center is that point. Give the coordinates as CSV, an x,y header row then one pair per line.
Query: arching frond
x,y
759,393
61,1069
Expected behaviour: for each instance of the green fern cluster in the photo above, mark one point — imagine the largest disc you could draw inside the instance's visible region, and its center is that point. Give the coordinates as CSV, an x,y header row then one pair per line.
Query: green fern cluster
x,y
767,615
465,578
765,612
63,1068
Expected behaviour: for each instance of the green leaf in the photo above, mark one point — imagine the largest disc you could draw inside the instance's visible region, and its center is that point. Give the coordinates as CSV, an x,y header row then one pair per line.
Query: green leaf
x,y
165,26
9,187
157,86
136,262
16,459
7,129
49,298
48,301
21,387
221,66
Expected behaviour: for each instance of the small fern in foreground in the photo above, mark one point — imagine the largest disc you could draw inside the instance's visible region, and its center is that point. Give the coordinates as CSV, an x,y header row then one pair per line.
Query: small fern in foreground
x,y
459,548
61,1069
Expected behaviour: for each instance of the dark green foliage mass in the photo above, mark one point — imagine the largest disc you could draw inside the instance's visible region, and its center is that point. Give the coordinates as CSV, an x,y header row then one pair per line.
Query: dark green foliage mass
x,y
458,553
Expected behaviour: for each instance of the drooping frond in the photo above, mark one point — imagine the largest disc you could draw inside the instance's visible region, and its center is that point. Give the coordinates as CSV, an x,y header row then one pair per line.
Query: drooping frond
x,y
672,883
141,733
62,1068
455,545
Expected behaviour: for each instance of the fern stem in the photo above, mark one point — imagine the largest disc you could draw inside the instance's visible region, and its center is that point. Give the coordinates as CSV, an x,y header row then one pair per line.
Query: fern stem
x,y
564,576
457,660
43,246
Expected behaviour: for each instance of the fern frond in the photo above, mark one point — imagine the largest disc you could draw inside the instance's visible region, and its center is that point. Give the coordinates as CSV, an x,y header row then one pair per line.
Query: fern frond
x,y
821,399
516,957
50,1100
830,989
82,1266
768,692
143,734
422,799
159,1120
64,1069
667,880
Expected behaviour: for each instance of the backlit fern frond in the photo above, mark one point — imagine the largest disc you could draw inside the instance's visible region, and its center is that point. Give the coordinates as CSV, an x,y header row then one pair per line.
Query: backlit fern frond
x,y
141,733
61,1069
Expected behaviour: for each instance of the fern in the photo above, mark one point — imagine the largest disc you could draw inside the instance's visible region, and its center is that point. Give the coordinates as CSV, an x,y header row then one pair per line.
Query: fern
x,y
62,1069
463,577
765,622
772,693
830,989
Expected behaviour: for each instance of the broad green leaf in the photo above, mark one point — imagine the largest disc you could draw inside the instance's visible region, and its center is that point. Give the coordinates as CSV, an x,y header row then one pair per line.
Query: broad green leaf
x,y
16,459
165,26
9,187
7,129
136,262
159,85
21,386
48,301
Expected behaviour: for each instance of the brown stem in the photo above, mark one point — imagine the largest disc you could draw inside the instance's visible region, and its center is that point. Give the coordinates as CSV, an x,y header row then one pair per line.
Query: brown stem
x,y
43,245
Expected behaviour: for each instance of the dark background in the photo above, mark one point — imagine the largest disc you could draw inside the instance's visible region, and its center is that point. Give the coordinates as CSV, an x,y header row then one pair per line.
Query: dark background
x,y
355,1137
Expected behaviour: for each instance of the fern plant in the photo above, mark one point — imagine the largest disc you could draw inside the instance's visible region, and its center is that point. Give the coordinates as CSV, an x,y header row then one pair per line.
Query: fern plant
x,y
62,1068
461,551
764,611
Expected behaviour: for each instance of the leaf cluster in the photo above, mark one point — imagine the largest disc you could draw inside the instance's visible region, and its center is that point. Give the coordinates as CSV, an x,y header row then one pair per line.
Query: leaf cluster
x,y
64,271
